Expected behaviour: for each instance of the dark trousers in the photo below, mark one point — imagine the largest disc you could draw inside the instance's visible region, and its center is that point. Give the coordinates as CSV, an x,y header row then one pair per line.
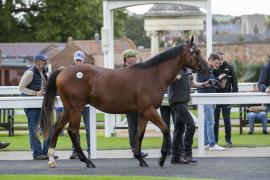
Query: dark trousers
x,y
132,119
184,130
165,112
226,111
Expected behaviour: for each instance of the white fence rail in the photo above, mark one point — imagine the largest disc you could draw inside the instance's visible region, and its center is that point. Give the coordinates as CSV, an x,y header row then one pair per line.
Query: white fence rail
x,y
36,102
223,98
14,90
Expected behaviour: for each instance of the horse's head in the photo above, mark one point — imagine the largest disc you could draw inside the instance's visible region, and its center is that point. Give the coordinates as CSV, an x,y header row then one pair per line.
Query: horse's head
x,y
196,60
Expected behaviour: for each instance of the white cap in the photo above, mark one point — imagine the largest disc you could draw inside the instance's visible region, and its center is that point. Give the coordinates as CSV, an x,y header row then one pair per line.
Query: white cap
x,y
79,55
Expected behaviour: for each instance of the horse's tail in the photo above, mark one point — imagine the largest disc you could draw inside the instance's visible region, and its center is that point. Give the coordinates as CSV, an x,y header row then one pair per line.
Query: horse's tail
x,y
46,115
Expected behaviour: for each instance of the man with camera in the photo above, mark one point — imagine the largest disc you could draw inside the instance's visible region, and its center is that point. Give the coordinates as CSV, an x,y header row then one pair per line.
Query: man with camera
x,y
215,83
230,86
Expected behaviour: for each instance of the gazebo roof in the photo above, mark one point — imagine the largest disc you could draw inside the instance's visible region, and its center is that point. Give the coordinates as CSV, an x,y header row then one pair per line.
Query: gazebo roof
x,y
159,10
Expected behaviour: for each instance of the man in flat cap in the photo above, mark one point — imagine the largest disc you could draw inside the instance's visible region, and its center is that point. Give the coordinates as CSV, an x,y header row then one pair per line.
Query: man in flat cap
x,y
129,57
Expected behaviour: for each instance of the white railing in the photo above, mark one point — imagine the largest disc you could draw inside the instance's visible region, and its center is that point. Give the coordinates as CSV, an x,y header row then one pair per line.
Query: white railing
x,y
14,90
9,90
36,102
222,98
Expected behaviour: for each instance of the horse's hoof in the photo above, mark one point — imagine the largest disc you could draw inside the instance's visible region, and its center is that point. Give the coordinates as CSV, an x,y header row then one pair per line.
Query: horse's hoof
x,y
90,165
52,164
143,164
161,162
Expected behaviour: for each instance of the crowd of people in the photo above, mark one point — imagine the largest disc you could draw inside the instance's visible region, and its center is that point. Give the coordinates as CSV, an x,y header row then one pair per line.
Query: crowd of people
x,y
221,78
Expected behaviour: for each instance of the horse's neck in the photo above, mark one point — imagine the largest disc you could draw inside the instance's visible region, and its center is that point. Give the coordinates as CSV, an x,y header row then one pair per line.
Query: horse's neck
x,y
168,70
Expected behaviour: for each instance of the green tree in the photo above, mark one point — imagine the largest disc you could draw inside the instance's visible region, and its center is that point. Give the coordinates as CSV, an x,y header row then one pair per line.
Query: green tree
x,y
13,27
50,20
134,29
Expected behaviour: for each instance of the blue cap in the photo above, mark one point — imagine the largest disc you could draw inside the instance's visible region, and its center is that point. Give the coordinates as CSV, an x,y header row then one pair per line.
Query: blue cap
x,y
40,57
79,55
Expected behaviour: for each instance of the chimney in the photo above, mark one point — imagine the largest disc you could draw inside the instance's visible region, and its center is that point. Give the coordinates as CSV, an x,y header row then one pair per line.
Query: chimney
x,y
70,40
97,36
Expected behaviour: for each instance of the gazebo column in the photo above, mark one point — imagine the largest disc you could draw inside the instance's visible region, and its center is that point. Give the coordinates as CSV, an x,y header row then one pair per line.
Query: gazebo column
x,y
154,42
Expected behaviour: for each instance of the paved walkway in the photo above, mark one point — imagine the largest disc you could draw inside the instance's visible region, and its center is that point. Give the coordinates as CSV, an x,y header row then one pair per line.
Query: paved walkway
x,y
226,168
231,164
153,153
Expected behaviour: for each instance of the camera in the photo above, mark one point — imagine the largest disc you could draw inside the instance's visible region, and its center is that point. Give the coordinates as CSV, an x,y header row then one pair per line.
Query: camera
x,y
215,83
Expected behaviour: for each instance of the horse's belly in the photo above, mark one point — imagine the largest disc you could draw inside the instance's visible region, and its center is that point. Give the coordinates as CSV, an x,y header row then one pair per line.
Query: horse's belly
x,y
114,107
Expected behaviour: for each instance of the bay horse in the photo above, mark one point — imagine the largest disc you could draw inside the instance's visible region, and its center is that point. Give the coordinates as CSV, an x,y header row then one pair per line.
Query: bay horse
x,y
138,88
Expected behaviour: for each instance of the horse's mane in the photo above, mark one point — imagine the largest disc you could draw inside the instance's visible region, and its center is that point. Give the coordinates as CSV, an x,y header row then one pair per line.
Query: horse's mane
x,y
162,57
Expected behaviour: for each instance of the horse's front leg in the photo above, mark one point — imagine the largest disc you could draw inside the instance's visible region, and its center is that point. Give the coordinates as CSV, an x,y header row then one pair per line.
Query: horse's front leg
x,y
142,122
154,117
74,124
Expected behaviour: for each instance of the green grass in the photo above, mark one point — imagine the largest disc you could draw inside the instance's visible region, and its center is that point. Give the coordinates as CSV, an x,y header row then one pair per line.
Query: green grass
x,y
20,142
81,177
21,118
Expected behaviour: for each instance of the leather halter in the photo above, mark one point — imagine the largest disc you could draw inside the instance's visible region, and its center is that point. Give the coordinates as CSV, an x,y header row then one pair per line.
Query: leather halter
x,y
195,54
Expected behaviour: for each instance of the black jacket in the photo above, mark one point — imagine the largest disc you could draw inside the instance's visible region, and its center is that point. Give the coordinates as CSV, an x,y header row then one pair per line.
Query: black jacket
x,y
264,80
231,85
179,90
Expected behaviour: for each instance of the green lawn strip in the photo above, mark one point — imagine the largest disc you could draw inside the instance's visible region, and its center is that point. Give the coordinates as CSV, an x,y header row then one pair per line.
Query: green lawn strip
x,y
82,177
21,118
20,142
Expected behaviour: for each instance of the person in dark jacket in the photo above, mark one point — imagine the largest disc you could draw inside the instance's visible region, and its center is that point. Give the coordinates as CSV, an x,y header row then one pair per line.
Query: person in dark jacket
x,y
129,57
230,86
184,126
209,121
33,83
264,79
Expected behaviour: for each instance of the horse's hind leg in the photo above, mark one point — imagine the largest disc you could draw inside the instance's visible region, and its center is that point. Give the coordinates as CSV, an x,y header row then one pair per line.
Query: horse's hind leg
x,y
142,122
74,125
59,125
154,117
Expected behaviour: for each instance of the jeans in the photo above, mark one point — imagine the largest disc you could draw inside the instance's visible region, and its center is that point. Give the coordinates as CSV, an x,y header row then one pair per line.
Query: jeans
x,y
165,112
226,111
184,130
132,119
252,116
86,120
209,135
33,119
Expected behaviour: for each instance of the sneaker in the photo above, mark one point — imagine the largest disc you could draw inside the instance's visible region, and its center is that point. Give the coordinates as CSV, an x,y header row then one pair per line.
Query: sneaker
x,y
4,145
41,157
216,148
250,132
207,147
179,161
228,145
265,132
74,155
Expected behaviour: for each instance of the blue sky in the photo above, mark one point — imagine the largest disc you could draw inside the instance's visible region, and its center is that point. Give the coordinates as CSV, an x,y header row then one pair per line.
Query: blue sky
x,y
227,7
